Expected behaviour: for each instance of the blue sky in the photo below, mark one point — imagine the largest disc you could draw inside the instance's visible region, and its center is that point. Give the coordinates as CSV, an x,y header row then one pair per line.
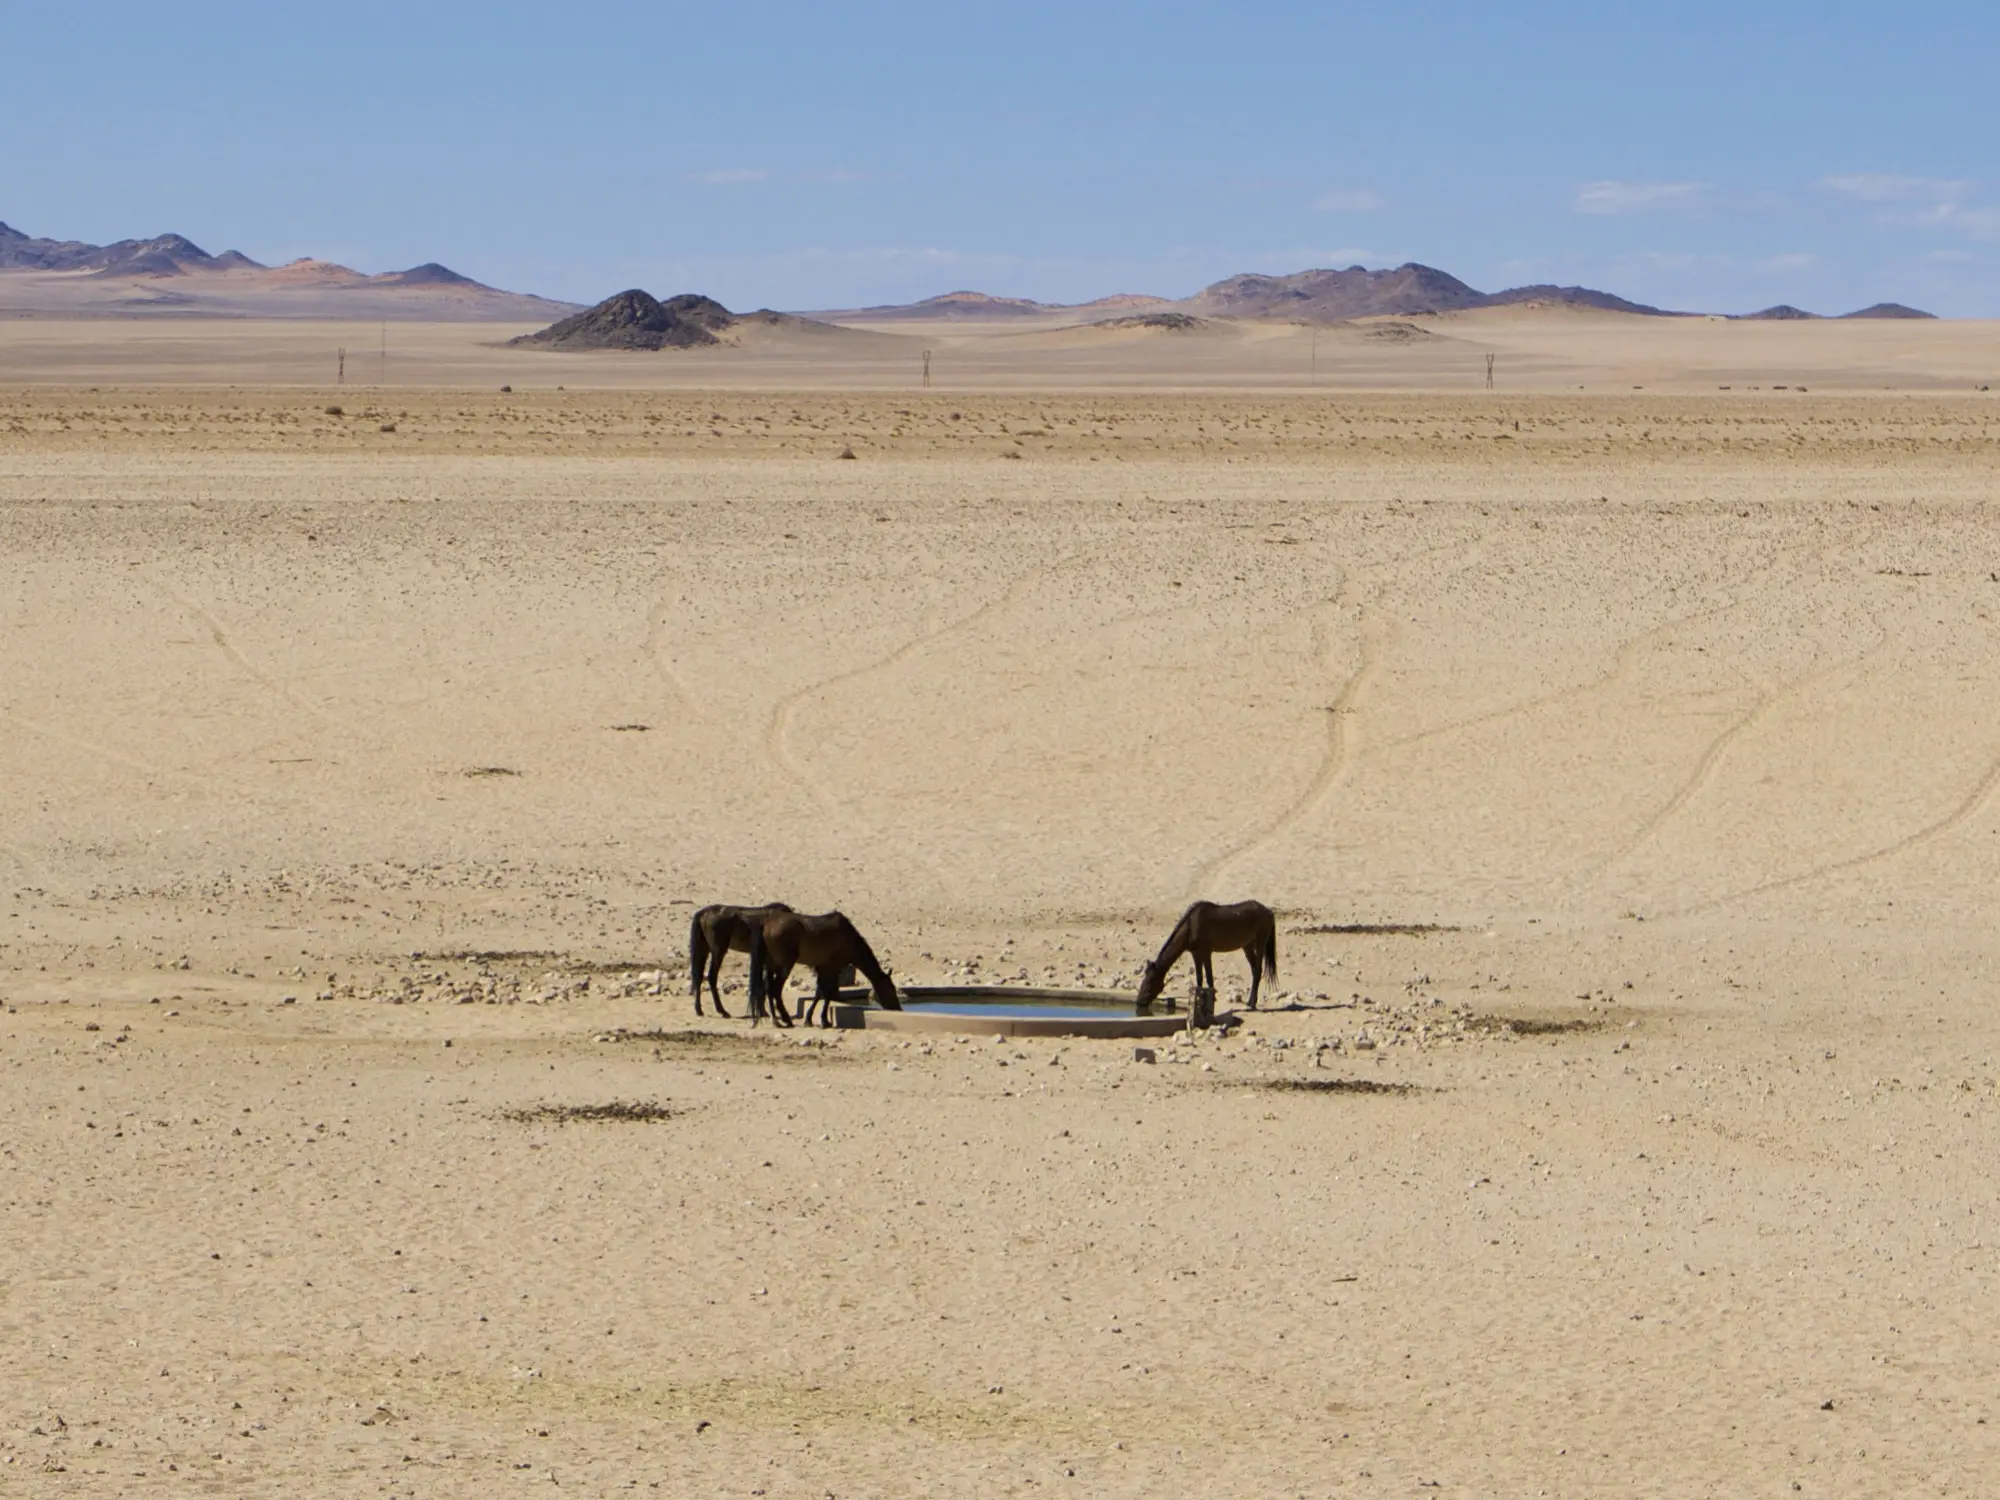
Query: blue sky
x,y
1710,156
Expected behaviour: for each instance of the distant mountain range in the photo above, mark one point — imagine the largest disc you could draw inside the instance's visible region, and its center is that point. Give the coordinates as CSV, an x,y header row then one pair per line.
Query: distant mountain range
x,y
1318,296
171,274
636,319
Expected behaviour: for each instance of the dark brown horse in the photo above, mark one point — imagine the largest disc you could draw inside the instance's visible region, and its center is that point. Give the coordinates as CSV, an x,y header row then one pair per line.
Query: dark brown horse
x,y
715,932
826,944
1206,929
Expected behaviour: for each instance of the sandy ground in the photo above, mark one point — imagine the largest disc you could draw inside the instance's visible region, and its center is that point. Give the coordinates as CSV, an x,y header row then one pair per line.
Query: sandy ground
x,y
1534,351
1623,768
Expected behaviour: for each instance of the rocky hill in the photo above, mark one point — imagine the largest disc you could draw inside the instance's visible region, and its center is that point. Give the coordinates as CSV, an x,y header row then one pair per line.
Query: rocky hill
x,y
1784,312
1323,296
636,319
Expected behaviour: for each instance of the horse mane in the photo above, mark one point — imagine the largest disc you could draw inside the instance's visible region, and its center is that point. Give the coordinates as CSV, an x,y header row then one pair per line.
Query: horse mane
x,y
865,958
1177,940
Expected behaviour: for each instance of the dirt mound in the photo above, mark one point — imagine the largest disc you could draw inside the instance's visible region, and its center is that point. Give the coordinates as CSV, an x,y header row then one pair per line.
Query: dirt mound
x,y
1784,312
637,320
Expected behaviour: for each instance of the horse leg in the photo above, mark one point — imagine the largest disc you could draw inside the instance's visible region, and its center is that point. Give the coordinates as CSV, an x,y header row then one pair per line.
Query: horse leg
x,y
714,969
825,993
775,993
1255,953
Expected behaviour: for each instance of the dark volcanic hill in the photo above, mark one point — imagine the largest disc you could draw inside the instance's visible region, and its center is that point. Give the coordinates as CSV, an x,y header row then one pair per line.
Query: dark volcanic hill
x,y
1784,312
637,320
430,273
1889,310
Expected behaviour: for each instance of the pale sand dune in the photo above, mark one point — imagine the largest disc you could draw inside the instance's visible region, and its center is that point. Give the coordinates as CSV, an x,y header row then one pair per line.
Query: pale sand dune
x,y
1676,714
1536,350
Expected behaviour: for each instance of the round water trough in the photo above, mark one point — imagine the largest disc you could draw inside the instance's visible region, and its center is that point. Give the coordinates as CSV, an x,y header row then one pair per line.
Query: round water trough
x,y
1006,1010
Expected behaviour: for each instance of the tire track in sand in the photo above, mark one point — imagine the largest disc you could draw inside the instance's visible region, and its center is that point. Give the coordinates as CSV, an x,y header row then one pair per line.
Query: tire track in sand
x,y
1339,754
1718,748
1960,813
220,639
1622,662
151,772
1336,758
778,725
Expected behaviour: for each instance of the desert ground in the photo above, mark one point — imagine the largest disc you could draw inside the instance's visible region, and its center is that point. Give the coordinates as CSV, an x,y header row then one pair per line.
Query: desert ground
x,y
1623,765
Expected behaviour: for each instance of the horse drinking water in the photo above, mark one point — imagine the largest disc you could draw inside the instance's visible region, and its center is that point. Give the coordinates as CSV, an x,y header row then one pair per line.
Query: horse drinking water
x,y
1206,929
825,944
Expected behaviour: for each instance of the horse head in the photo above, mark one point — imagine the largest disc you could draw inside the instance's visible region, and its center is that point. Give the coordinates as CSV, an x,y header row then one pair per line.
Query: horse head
x,y
885,991
1150,984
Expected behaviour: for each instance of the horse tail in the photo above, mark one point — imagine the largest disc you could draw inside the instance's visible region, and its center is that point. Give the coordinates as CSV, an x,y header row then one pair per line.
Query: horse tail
x,y
1271,952
697,953
759,960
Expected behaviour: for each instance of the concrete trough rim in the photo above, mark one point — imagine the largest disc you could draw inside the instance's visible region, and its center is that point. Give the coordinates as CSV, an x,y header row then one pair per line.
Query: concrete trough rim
x,y
850,1013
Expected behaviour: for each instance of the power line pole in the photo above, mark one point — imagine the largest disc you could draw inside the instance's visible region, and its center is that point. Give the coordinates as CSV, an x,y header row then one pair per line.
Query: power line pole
x,y
340,366
927,369
1489,372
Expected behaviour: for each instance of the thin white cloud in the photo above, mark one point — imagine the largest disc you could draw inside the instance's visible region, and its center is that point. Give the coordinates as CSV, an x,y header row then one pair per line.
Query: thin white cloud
x,y
1617,197
1888,187
732,176
1348,201
1980,223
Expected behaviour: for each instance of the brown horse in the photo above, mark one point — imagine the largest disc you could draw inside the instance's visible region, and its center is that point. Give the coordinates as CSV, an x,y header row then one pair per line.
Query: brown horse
x,y
1206,929
826,944
715,932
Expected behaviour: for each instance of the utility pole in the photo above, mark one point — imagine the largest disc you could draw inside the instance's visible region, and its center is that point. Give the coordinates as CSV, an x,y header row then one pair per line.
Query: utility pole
x,y
340,366
1489,372
927,369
